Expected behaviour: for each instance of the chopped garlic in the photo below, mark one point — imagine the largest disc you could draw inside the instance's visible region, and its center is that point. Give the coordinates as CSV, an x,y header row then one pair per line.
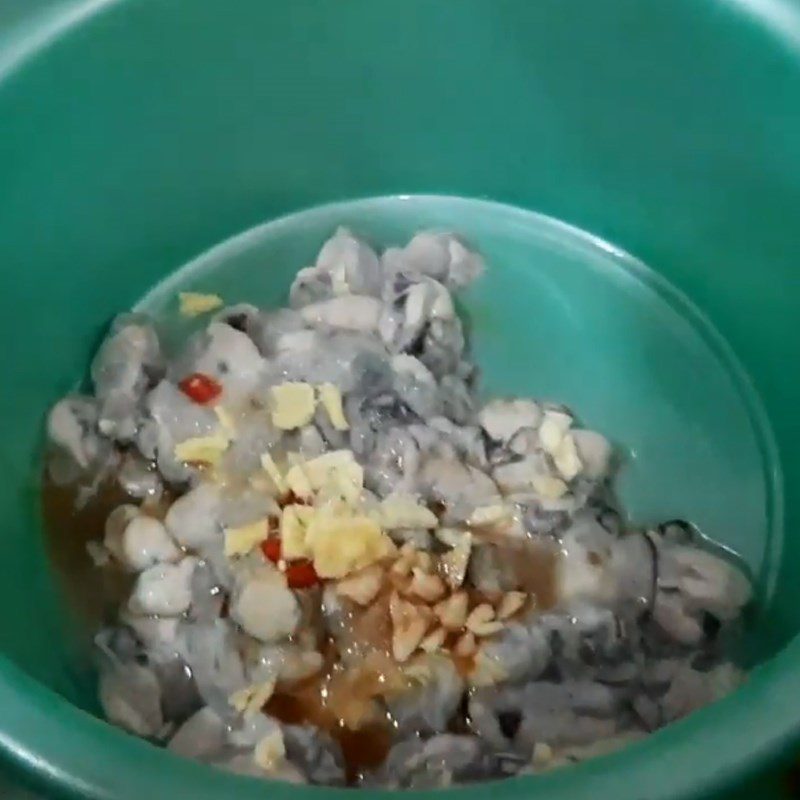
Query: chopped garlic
x,y
225,420
271,468
433,641
481,621
566,458
250,700
553,428
549,487
423,560
333,475
510,604
292,405
270,751
489,628
297,480
341,544
486,516
331,399
193,304
429,588
452,612
407,559
241,540
542,754
203,449
362,587
400,510
455,561
294,529
407,636
486,671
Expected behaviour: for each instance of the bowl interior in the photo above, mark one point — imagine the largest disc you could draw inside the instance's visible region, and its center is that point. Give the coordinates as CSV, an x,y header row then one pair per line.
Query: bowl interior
x,y
558,315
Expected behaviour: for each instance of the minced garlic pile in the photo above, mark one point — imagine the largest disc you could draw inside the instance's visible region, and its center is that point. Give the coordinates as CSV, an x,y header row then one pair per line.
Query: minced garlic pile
x,y
325,520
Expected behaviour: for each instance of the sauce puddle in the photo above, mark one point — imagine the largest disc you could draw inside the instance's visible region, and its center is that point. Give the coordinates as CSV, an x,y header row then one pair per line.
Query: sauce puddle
x,y
94,595
343,702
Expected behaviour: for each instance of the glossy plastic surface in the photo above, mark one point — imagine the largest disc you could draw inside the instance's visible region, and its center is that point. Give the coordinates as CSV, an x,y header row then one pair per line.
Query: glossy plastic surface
x,y
137,134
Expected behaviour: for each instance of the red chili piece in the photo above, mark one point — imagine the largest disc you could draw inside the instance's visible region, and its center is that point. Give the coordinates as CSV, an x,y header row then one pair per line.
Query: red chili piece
x,y
200,388
301,574
271,548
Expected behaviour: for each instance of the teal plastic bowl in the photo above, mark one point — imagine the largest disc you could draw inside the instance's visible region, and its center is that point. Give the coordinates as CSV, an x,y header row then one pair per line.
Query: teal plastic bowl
x,y
152,145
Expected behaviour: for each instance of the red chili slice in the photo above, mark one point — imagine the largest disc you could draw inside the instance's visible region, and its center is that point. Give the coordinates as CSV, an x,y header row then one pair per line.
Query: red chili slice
x,y
200,388
271,548
301,574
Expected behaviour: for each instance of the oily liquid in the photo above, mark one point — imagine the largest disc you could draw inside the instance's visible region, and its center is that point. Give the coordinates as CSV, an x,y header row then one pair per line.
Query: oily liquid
x,y
534,567
93,595
363,749
331,700
325,701
340,701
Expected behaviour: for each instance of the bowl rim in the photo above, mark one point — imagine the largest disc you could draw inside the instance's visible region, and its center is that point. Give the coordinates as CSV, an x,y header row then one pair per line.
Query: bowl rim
x,y
48,739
